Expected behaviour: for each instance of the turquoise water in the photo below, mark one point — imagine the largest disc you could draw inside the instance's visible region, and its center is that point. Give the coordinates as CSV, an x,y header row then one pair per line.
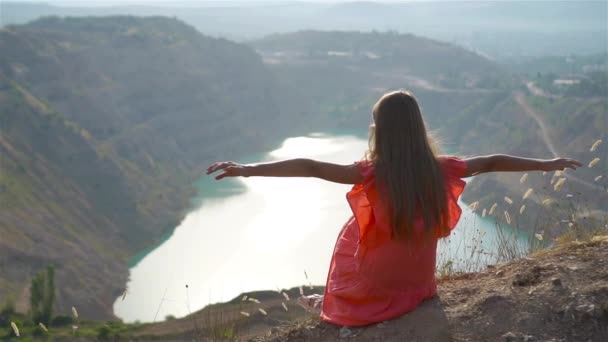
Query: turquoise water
x,y
264,233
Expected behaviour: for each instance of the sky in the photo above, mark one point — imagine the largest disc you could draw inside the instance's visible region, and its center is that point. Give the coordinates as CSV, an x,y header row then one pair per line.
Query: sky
x,y
168,2
177,3
188,2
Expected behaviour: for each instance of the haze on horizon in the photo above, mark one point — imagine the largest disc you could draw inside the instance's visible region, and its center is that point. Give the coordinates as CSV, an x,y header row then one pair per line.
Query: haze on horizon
x,y
200,3
495,29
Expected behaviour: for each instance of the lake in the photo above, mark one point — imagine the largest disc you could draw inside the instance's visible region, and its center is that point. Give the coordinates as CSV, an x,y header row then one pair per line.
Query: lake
x,y
264,233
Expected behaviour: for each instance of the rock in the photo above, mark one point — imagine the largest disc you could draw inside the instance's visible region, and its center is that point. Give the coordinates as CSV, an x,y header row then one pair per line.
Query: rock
x,y
427,323
511,337
310,332
345,332
382,325
556,282
586,308
528,277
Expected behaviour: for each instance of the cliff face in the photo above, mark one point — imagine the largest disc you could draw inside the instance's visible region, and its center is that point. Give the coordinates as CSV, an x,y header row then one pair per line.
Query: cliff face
x,y
105,124
58,206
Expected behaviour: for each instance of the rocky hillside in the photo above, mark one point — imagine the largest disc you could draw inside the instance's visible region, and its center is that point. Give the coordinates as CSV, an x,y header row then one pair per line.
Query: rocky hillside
x,y
336,77
63,204
418,56
105,124
532,125
556,295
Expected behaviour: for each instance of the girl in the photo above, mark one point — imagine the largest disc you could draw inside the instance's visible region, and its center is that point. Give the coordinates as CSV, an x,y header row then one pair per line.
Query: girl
x,y
403,200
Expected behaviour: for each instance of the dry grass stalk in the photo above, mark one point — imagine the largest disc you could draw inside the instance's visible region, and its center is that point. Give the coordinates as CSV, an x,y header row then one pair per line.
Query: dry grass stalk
x,y
594,161
15,329
473,206
527,194
595,145
492,208
558,185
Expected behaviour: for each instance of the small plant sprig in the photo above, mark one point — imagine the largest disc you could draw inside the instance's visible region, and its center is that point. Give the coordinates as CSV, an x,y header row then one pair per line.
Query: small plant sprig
x,y
75,319
15,329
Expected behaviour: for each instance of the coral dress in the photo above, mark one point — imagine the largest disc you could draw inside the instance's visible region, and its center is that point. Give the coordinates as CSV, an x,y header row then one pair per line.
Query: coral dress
x,y
373,278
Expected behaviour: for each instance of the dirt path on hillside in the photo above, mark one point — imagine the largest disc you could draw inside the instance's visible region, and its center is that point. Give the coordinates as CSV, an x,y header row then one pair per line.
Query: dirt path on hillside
x,y
520,99
536,91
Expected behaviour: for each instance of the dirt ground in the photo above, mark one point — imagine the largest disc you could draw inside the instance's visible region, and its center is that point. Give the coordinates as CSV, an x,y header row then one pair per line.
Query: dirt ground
x,y
559,294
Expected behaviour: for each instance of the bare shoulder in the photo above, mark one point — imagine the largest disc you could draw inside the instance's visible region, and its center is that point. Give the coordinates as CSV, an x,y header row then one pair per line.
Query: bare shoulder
x,y
476,165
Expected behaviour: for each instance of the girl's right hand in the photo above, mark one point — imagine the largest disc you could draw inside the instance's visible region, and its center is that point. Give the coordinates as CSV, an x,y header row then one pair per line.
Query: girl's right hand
x,y
229,169
560,164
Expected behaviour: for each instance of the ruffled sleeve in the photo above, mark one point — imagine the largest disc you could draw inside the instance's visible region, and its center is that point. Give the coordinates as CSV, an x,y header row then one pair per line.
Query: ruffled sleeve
x,y
454,170
370,216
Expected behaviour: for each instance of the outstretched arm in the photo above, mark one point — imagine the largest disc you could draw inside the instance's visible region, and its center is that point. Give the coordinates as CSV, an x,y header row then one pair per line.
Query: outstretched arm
x,y
503,162
345,174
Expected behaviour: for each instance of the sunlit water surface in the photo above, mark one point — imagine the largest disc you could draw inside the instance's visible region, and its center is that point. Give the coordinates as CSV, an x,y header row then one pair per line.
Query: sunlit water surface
x,y
259,234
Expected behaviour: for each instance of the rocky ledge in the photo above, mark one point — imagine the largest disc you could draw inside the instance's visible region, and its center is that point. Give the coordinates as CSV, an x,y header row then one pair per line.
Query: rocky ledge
x,y
559,294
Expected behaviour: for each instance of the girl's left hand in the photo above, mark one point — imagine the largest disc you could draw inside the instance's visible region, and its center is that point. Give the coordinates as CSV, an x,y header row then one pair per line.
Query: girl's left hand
x,y
229,169
560,164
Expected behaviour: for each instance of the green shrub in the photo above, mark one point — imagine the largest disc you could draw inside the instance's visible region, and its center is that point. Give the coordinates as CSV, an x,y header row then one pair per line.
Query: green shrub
x,y
104,332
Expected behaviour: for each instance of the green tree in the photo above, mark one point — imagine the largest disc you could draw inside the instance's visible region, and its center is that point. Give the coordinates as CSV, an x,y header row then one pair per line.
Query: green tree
x,y
42,296
49,298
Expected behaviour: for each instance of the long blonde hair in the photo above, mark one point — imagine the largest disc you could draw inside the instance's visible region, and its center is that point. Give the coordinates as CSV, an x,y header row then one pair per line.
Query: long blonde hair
x,y
408,174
